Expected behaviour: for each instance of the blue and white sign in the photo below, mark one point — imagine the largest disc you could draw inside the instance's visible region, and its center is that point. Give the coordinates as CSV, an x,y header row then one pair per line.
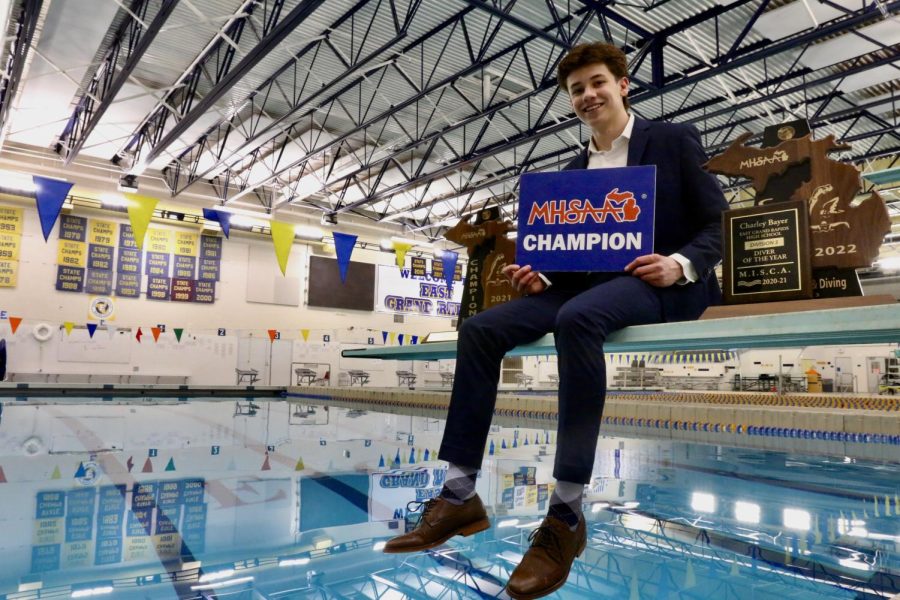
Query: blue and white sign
x,y
416,290
586,220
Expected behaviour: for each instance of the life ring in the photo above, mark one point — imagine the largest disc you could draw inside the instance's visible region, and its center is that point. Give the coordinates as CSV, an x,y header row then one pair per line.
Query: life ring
x,y
42,332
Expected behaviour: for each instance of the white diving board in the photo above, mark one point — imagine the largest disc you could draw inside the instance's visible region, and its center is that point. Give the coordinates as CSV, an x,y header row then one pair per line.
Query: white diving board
x,y
878,324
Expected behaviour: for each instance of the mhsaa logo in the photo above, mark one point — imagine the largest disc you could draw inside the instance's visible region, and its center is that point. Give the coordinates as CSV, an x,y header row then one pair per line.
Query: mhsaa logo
x,y
619,206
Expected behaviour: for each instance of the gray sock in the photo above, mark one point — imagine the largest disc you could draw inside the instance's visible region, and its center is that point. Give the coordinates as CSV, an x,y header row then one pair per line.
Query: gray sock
x,y
460,484
565,503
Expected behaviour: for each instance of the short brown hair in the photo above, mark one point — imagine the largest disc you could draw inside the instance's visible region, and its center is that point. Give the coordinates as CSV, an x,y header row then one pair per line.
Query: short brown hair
x,y
583,55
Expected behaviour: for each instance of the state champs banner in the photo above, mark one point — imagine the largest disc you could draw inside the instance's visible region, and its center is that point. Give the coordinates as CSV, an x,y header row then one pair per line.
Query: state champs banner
x,y
586,220
416,291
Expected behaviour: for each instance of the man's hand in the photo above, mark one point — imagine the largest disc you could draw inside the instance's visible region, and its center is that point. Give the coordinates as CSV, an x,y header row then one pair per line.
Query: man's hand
x,y
656,269
524,279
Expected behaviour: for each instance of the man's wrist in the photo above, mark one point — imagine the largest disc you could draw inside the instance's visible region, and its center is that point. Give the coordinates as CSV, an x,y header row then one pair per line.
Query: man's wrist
x,y
689,273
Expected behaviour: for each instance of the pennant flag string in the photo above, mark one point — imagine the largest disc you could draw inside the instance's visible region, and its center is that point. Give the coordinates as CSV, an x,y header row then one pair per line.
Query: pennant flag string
x,y
50,195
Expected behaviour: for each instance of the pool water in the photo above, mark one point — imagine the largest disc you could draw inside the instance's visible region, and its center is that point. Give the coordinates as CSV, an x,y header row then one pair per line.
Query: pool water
x,y
260,498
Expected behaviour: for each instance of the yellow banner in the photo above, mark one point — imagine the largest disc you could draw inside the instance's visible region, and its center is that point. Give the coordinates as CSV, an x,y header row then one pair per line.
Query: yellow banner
x,y
76,555
9,246
11,220
138,548
9,273
167,545
102,232
283,239
186,243
160,240
48,531
140,211
71,254
305,334
401,248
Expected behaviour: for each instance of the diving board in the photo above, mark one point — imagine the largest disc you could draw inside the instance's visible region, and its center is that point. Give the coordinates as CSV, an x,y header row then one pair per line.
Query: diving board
x,y
839,326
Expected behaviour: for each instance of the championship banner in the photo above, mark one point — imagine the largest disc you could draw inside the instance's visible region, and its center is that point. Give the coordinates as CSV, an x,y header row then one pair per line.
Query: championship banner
x,y
71,254
416,291
102,233
389,492
158,288
586,220
182,290
11,220
204,291
10,246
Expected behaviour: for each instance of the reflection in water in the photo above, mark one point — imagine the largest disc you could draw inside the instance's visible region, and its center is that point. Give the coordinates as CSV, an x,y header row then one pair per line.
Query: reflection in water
x,y
258,498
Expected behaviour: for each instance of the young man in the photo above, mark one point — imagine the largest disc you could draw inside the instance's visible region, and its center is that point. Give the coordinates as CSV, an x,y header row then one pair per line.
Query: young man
x,y
581,309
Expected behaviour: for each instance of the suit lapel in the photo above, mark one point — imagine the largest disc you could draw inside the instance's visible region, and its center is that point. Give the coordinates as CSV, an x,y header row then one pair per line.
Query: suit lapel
x,y
638,142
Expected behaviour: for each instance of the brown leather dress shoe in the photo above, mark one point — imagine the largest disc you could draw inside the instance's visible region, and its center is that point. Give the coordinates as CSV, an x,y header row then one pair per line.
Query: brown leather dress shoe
x,y
545,567
440,521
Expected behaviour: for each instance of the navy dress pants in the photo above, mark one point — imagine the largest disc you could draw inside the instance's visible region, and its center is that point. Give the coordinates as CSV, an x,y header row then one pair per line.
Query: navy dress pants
x,y
580,321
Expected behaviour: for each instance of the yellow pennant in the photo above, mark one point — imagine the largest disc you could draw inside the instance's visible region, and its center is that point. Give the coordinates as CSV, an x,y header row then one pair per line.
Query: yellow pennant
x,y
283,238
69,325
400,249
56,474
391,336
140,211
299,466
305,334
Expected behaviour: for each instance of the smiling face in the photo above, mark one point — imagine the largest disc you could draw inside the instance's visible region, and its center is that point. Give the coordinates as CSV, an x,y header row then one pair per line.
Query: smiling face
x,y
597,96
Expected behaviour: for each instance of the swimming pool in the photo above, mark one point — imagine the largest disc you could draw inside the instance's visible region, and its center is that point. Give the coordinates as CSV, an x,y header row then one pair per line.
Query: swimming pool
x,y
164,498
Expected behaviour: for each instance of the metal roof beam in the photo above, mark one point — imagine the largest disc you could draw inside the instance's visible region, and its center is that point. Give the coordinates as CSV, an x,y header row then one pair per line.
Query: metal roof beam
x,y
289,84
18,55
127,49
504,14
422,90
276,30
477,155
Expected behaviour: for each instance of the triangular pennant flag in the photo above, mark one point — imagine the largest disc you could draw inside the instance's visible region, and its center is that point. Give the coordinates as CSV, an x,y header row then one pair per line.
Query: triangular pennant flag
x,y
50,195
266,466
69,325
148,466
427,454
503,444
343,247
111,330
448,260
92,328
222,217
14,323
130,463
140,211
170,466
400,338
392,335
397,459
56,473
305,334
273,333
414,340
419,455
80,471
2,476
400,249
139,335
381,462
412,456
283,239
384,335
178,331
299,466
155,331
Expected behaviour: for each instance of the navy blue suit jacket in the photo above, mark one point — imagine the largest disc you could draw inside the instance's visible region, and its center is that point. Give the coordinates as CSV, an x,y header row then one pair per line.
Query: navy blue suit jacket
x,y
689,205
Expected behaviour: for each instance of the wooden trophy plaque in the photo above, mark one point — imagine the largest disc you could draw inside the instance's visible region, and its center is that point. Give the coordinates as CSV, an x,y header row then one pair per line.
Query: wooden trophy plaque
x,y
796,168
489,250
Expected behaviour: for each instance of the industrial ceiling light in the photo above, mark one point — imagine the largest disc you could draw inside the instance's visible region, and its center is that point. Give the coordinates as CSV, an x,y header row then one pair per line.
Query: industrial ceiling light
x,y
329,219
128,183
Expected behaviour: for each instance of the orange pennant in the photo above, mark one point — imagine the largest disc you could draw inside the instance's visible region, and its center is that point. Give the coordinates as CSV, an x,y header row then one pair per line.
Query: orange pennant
x,y
156,331
148,466
273,334
14,323
266,466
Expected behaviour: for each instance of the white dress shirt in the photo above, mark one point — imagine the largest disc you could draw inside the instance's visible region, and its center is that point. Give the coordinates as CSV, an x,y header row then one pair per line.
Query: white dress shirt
x,y
617,156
